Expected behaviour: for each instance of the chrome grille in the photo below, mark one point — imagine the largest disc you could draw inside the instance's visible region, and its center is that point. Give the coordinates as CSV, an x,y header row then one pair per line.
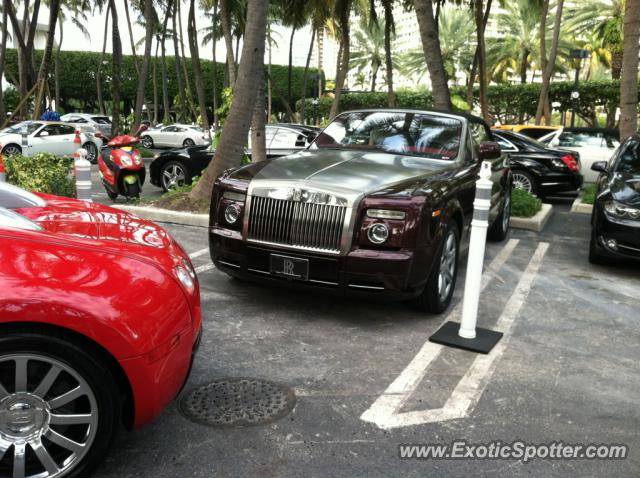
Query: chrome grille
x,y
296,224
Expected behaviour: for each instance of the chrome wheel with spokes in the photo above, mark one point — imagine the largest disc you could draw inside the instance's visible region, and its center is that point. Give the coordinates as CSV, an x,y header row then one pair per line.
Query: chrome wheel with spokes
x,y
523,181
448,264
92,152
48,416
173,175
11,150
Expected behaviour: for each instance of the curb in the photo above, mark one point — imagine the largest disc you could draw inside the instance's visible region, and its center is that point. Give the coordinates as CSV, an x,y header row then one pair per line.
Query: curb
x,y
166,215
579,207
535,223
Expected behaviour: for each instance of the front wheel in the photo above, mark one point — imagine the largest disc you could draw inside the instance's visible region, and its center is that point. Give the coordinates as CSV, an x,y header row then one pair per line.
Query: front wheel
x,y
500,227
437,294
174,174
187,143
92,152
11,150
524,180
59,406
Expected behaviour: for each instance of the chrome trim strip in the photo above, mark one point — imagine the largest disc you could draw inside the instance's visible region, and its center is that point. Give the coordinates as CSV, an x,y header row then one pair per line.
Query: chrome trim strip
x,y
368,287
323,282
621,246
259,271
229,264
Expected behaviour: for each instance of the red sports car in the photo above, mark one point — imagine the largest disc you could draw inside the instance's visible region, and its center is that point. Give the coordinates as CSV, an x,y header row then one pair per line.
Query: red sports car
x,y
99,320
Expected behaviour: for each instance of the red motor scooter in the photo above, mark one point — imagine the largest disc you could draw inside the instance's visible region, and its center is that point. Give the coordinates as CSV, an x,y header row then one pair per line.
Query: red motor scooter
x,y
121,166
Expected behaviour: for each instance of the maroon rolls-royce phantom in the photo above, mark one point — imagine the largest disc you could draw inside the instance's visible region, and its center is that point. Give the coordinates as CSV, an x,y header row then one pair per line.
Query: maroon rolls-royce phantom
x,y
378,204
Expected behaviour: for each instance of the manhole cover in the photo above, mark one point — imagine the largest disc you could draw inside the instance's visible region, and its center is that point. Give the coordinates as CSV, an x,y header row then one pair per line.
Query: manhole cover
x,y
235,402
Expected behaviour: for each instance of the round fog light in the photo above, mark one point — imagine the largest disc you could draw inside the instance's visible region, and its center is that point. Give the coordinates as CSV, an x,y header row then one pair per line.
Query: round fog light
x,y
231,213
378,233
612,244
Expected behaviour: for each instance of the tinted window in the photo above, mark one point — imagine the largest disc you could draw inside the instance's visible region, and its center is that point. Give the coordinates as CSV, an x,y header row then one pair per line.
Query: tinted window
x,y
504,144
53,129
66,129
415,134
101,119
592,139
20,127
76,119
168,129
629,161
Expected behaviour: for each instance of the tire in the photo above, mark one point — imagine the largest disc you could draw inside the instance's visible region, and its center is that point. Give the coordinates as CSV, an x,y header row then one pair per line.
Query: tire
x,y
54,358
595,254
174,174
187,143
133,190
112,196
92,152
524,180
11,150
433,298
146,142
500,228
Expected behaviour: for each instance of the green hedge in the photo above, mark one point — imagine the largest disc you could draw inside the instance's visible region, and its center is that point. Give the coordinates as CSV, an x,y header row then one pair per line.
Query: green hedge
x,y
524,204
44,173
78,69
507,103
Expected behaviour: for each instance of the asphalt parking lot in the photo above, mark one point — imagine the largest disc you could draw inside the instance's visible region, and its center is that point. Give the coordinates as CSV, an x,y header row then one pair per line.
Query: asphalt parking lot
x,y
367,380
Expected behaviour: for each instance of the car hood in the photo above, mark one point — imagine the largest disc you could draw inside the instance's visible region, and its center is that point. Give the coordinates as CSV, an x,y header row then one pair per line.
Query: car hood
x,y
354,170
104,228
625,188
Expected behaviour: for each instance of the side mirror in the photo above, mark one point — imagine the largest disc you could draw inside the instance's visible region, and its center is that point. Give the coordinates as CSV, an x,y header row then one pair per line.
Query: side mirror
x,y
489,150
44,134
600,166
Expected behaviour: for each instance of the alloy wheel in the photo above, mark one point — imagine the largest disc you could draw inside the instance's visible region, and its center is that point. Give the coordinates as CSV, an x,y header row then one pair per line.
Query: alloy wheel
x,y
12,150
522,182
48,416
147,142
92,152
188,143
173,176
447,266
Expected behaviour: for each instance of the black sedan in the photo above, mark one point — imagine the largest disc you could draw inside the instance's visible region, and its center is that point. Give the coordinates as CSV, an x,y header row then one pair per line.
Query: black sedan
x,y
615,222
177,167
538,169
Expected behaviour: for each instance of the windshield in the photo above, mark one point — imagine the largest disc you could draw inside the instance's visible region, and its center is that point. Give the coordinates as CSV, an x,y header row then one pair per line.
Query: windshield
x,y
629,161
15,220
407,133
28,126
101,120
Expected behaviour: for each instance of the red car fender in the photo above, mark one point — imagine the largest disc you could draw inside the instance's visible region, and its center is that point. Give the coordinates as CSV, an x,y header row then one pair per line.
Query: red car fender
x,y
112,299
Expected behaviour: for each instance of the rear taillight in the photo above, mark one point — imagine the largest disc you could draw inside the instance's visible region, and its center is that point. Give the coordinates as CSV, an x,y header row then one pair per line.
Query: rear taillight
x,y
571,163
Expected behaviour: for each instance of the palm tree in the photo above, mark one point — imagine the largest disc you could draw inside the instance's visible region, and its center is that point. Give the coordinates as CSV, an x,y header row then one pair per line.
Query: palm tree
x,y
548,71
389,34
479,14
116,68
3,49
195,65
368,49
225,18
432,53
294,14
341,13
107,16
629,80
183,110
250,75
45,64
149,17
455,28
604,19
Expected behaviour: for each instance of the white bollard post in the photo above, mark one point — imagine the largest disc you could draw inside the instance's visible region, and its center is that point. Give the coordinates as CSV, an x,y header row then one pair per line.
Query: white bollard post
x,y
479,226
82,168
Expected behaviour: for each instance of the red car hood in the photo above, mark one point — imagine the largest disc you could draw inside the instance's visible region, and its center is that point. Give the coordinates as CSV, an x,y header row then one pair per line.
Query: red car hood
x,y
95,222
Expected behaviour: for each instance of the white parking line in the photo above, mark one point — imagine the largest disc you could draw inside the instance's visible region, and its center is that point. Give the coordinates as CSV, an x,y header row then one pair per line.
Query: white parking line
x,y
385,411
199,253
205,267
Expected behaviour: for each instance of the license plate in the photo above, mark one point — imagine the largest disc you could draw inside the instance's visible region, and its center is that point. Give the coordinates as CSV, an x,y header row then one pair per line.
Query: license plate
x,y
290,267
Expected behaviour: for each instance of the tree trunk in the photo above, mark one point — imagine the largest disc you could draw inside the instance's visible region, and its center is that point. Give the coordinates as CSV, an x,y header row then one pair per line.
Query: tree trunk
x,y
102,53
616,63
269,88
474,65
181,92
290,72
185,70
192,33
374,79
388,54
550,65
543,57
303,95
250,76
3,50
258,143
56,69
433,54
482,68
163,51
343,57
225,20
144,69
45,65
524,66
214,78
133,46
629,79
155,83
116,68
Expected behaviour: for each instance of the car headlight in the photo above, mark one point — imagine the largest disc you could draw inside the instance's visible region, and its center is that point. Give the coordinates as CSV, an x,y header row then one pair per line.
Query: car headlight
x,y
621,211
126,160
231,213
378,233
385,214
185,277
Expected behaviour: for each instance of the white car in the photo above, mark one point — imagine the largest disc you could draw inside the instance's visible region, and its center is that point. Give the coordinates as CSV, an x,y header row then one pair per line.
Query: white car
x,y
282,139
174,136
97,122
32,137
593,144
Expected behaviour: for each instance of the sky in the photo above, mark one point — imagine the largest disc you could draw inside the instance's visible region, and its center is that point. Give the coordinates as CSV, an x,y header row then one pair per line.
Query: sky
x,y
74,39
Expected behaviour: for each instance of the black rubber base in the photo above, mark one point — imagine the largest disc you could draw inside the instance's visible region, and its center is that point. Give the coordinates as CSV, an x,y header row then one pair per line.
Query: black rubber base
x,y
483,343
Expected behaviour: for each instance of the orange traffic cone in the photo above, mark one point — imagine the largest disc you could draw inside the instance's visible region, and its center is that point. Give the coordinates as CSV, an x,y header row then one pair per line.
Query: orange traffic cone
x,y
77,139
3,172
